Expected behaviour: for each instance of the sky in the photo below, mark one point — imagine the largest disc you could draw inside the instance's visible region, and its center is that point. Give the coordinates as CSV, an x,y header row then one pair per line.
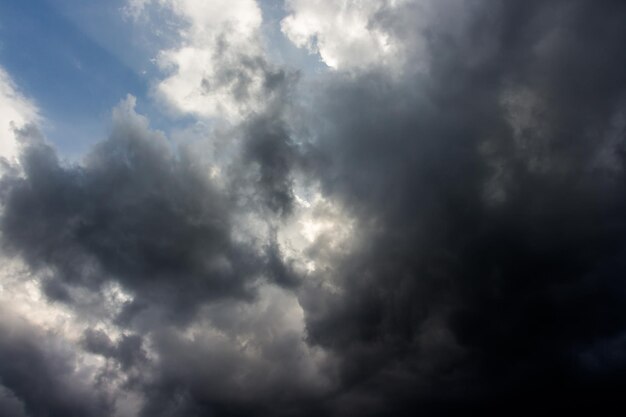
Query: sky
x,y
301,208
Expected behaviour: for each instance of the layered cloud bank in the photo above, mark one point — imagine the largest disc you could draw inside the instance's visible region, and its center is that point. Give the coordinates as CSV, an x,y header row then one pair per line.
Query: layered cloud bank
x,y
435,224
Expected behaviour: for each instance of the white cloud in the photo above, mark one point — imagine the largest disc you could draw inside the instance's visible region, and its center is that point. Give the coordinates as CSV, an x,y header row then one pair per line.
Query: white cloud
x,y
317,222
216,69
343,32
16,111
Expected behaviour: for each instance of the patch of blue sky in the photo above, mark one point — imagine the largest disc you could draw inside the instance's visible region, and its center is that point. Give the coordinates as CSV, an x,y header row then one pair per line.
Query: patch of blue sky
x,y
74,75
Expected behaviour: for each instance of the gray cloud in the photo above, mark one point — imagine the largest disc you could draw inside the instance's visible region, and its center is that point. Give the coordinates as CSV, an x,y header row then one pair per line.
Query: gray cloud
x,y
10,405
485,271
40,378
133,212
482,213
128,351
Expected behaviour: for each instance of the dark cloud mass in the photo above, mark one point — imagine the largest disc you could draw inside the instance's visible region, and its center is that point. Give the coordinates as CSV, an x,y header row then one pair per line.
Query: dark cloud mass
x,y
38,376
134,212
485,274
493,248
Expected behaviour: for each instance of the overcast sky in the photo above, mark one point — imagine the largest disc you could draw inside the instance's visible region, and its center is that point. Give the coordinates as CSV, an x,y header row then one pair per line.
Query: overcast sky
x,y
312,208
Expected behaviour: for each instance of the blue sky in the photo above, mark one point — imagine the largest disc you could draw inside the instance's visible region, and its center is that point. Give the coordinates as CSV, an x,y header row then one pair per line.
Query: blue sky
x,y
73,76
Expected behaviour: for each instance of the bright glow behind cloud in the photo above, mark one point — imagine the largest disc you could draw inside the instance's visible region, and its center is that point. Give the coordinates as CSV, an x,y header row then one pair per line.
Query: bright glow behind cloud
x,y
15,112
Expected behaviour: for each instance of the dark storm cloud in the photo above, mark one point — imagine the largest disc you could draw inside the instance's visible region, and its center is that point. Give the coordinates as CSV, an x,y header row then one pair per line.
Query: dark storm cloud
x,y
128,351
493,231
487,269
10,405
269,147
39,376
269,155
133,212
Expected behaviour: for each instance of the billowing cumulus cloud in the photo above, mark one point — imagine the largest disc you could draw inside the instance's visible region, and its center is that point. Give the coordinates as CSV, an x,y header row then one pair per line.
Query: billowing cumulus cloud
x,y
433,225
135,212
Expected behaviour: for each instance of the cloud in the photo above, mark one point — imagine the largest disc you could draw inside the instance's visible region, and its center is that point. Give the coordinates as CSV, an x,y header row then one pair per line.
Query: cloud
x,y
16,111
340,32
138,241
217,67
39,372
378,239
457,295
350,34
133,212
260,363
10,405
